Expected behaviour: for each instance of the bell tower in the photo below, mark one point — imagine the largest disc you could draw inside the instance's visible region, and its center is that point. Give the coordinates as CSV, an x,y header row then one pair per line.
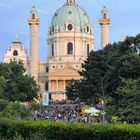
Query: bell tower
x,y
104,22
33,21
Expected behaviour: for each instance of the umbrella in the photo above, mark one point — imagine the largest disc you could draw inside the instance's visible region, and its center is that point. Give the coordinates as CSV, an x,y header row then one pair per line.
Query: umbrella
x,y
92,110
94,115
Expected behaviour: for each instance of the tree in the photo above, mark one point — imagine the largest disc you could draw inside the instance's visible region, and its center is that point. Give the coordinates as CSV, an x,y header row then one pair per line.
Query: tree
x,y
3,104
2,85
93,84
126,102
103,68
88,87
73,90
14,110
19,86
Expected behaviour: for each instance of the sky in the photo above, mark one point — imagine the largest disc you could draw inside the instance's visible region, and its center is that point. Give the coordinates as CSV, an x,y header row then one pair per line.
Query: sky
x,y
124,14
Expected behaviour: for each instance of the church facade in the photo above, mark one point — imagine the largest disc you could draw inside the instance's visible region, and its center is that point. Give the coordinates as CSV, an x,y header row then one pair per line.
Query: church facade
x,y
70,40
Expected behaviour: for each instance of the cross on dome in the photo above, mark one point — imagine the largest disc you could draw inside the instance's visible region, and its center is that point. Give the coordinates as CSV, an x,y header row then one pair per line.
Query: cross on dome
x,y
16,36
16,40
71,1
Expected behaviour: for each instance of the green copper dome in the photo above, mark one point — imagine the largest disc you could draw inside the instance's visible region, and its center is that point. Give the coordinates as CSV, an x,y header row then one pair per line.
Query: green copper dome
x,y
71,13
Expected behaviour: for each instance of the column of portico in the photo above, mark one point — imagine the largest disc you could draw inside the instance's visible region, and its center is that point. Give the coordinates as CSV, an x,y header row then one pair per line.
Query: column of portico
x,y
64,90
57,94
50,88
49,85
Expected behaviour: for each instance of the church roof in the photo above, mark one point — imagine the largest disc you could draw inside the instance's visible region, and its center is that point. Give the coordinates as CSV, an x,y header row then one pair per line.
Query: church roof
x,y
71,13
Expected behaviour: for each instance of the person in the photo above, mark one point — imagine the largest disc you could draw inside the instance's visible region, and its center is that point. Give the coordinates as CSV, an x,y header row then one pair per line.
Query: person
x,y
35,115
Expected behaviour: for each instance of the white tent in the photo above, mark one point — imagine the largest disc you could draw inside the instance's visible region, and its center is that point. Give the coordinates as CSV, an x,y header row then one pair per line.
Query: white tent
x,y
92,110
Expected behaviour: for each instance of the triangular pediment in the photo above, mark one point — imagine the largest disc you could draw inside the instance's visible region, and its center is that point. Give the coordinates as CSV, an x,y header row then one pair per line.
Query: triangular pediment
x,y
65,71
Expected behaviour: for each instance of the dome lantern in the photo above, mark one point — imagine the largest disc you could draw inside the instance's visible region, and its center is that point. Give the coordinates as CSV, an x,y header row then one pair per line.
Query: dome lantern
x,y
71,1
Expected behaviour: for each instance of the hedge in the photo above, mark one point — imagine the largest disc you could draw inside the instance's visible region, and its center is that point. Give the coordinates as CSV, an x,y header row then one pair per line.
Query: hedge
x,y
46,130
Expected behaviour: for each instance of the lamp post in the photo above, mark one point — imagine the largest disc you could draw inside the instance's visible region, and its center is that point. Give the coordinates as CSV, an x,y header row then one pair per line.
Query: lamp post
x,y
103,100
103,112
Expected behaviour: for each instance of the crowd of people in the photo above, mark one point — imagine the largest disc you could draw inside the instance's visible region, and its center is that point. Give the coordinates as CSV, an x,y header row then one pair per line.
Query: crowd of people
x,y
63,112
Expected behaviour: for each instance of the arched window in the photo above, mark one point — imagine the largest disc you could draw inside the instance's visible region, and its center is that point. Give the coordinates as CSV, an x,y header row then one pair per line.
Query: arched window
x,y
15,53
87,29
50,30
104,15
53,28
52,49
46,86
87,49
70,48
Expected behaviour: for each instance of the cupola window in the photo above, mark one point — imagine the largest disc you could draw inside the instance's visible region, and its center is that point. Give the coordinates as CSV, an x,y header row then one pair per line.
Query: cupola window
x,y
69,12
15,53
70,27
70,48
52,28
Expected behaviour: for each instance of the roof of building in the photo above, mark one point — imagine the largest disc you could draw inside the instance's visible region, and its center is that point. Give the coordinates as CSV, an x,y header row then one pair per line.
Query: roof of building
x,y
71,13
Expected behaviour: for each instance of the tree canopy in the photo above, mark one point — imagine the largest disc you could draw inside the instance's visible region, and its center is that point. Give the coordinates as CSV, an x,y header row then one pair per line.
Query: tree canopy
x,y
15,85
126,101
104,69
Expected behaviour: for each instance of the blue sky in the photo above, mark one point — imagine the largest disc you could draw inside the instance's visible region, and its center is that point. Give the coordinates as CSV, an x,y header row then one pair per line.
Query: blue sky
x,y
124,14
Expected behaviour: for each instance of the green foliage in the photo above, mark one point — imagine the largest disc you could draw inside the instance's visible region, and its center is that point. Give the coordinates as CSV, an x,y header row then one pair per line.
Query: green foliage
x,y
73,90
115,119
15,85
101,78
2,85
35,106
14,110
103,68
126,101
44,130
3,104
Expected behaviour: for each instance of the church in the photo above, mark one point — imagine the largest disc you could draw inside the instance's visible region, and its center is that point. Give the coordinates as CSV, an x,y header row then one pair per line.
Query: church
x,y
70,40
